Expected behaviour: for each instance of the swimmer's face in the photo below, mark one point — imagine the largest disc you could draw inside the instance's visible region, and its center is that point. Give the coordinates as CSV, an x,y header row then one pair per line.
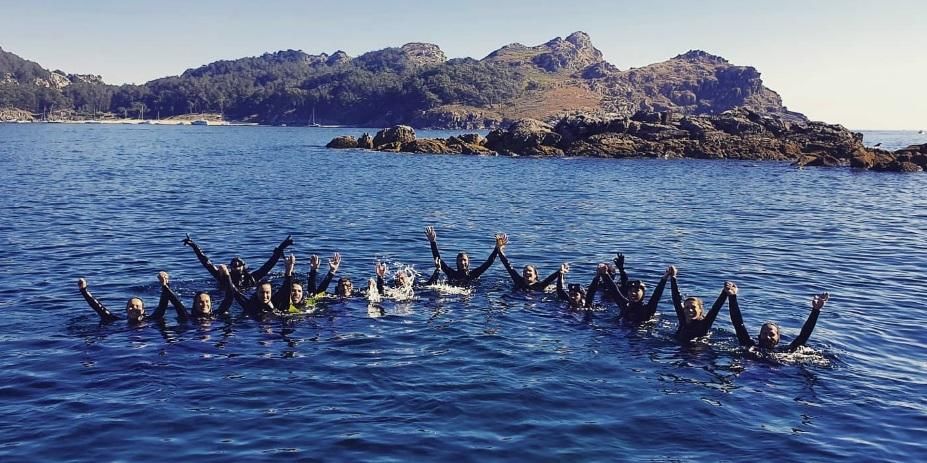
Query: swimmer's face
x,y
135,310
203,304
402,279
577,299
236,266
769,336
692,309
296,294
636,293
463,261
264,292
344,288
530,274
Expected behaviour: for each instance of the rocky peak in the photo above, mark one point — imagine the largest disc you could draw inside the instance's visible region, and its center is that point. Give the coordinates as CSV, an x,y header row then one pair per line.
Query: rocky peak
x,y
424,54
338,57
580,39
699,55
573,54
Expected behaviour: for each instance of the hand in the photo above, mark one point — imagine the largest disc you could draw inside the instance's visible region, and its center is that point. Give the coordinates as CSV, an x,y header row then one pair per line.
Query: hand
x,y
430,234
81,283
290,264
564,268
671,271
501,240
817,302
164,278
381,269
314,262
437,263
188,241
223,269
602,269
619,260
730,288
286,242
334,262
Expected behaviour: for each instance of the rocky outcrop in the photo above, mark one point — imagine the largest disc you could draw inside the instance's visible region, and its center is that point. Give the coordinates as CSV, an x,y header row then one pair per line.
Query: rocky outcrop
x,y
423,54
342,142
737,134
400,134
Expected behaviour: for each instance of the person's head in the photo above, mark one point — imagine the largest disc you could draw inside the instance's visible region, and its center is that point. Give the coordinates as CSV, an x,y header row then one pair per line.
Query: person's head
x,y
237,266
202,303
636,290
264,292
769,335
463,261
577,295
296,293
403,279
693,308
530,274
135,309
344,288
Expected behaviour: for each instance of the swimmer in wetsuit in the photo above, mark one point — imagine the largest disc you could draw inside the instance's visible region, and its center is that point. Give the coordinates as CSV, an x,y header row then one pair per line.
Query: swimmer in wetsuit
x,y
238,270
528,280
202,303
344,288
576,296
264,301
403,279
693,322
462,275
633,310
135,307
769,332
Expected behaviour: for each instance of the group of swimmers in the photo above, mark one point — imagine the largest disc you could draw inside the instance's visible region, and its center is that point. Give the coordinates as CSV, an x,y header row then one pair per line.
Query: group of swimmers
x,y
293,298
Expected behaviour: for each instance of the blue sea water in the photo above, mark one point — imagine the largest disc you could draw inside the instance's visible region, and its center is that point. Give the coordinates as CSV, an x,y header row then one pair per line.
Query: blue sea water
x,y
489,376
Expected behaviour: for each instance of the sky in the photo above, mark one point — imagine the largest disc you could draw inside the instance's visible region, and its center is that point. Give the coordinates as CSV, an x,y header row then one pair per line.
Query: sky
x,y
857,63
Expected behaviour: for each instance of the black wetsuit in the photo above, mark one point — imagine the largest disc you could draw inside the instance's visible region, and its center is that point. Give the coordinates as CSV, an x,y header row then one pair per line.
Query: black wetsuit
x,y
381,285
279,300
106,316
244,279
519,280
744,337
590,291
691,329
462,277
314,290
635,312
182,309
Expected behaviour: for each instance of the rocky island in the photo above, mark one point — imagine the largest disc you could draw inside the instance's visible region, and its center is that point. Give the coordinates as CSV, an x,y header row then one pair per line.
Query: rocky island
x,y
735,134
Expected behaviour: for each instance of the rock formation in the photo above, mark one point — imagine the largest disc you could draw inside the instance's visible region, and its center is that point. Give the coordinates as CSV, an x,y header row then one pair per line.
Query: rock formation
x,y
735,134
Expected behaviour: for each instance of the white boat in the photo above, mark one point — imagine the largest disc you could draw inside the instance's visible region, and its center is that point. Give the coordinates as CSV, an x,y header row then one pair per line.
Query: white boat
x,y
312,122
199,122
146,122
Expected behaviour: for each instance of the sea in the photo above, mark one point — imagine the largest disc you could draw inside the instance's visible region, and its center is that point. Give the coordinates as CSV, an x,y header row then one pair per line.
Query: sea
x,y
486,374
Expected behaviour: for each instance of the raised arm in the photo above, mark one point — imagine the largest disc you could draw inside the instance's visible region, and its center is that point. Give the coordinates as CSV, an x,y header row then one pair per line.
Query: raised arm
x,y
436,254
168,295
623,276
381,273
97,306
593,287
201,256
281,298
658,293
817,303
612,289
262,272
333,265
229,296
434,276
516,278
501,241
716,308
677,301
552,278
737,319
561,293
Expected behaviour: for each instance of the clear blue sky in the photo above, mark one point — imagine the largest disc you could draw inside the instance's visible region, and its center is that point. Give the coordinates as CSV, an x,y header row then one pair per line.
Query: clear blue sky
x,y
852,62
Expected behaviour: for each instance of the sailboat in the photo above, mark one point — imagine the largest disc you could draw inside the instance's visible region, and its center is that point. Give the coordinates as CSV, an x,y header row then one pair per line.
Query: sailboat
x,y
312,122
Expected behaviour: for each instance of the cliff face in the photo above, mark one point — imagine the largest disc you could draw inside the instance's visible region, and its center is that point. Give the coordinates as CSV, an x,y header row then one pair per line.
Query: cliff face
x,y
413,84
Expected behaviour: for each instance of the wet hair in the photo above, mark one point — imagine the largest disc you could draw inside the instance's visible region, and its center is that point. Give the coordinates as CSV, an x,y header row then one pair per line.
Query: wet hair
x,y
636,283
129,302
237,259
576,287
698,302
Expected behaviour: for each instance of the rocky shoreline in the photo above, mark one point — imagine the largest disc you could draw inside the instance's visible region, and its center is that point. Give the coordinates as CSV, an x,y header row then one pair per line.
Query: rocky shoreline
x,y
734,134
